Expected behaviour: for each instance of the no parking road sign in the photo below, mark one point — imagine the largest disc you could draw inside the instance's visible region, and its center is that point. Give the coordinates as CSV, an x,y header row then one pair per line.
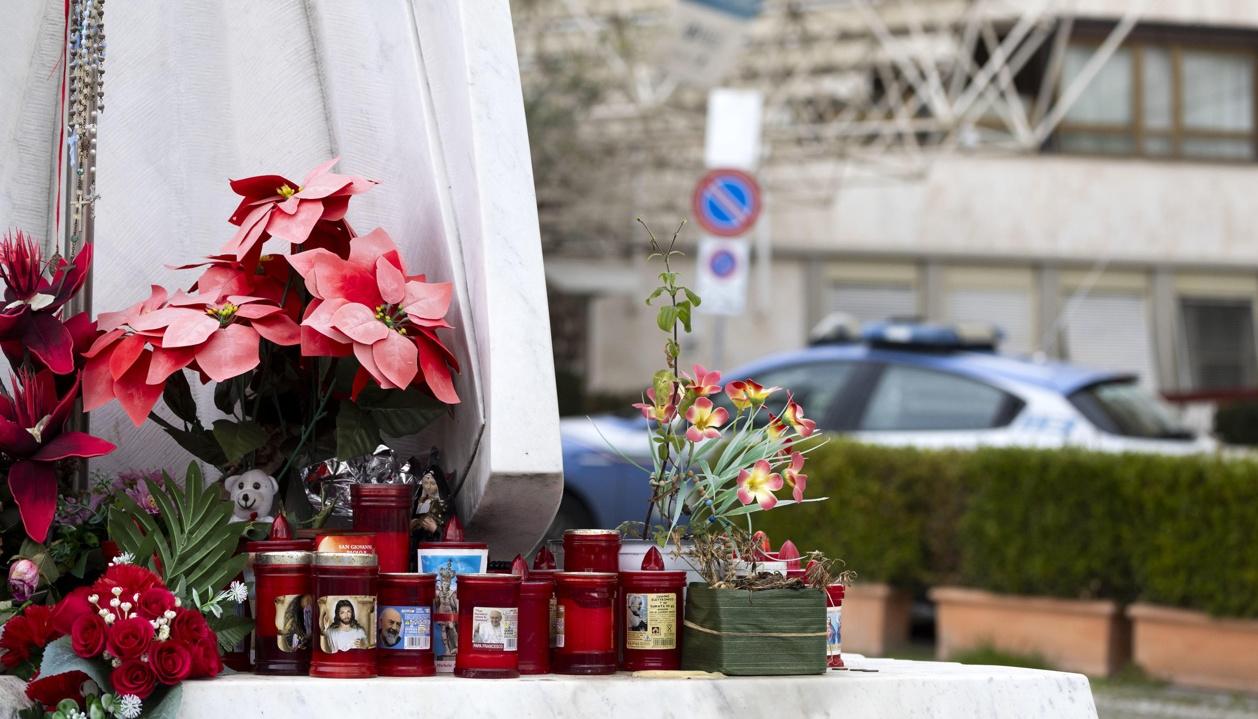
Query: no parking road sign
x,y
726,202
722,276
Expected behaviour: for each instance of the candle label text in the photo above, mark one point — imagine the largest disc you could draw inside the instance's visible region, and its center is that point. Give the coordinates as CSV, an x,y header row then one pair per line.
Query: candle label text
x,y
403,628
651,621
495,628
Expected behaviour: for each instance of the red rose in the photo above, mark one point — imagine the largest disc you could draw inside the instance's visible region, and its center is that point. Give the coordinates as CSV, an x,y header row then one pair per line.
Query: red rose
x,y
131,577
133,677
129,638
189,625
205,659
70,608
50,691
172,661
155,602
87,638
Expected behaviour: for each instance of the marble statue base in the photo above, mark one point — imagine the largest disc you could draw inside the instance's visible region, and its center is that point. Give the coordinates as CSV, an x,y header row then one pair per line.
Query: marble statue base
x,y
893,689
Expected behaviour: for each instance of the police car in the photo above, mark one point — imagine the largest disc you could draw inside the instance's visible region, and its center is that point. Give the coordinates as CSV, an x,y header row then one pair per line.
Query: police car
x,y
898,383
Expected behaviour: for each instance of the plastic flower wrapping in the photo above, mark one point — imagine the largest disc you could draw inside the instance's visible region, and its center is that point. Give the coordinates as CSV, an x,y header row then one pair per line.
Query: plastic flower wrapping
x,y
328,483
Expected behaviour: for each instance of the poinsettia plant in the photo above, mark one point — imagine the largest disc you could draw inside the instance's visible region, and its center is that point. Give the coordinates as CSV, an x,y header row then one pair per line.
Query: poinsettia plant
x,y
720,452
319,342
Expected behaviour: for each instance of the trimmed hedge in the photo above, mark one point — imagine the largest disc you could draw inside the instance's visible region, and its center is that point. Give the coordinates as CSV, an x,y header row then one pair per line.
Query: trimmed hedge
x,y
1176,531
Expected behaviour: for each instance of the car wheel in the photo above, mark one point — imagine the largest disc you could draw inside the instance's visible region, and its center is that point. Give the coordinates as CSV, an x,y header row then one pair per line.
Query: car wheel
x,y
572,514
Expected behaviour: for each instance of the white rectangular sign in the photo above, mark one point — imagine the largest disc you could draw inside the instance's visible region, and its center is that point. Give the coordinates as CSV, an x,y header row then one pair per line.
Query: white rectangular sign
x,y
721,277
708,36
733,130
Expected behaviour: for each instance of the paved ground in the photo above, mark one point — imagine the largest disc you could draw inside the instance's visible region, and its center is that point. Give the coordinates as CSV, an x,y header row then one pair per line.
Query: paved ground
x,y
1119,700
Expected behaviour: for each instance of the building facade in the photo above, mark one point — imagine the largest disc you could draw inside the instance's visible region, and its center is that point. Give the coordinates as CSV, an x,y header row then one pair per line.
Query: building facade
x,y
1122,239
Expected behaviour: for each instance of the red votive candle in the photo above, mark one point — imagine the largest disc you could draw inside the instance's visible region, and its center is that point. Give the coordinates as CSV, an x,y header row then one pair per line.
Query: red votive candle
x,y
489,610
650,607
285,607
344,643
535,624
834,625
345,541
585,638
386,510
404,625
591,550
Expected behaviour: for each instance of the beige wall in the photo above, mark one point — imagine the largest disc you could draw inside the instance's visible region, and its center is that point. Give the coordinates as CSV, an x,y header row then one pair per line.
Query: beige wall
x,y
1204,12
1067,208
626,347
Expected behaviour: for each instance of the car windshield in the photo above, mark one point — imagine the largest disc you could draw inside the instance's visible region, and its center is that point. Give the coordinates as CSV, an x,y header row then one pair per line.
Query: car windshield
x,y
1123,407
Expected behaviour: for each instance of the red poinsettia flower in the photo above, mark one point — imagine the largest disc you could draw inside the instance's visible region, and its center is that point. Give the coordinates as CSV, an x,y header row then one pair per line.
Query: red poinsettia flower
x,y
368,305
277,207
28,319
118,361
268,279
221,337
32,420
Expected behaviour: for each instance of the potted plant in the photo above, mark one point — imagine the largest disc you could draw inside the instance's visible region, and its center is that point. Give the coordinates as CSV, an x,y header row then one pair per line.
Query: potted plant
x,y
715,464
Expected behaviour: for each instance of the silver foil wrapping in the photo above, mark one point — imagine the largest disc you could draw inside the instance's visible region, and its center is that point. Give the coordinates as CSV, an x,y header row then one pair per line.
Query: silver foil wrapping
x,y
331,479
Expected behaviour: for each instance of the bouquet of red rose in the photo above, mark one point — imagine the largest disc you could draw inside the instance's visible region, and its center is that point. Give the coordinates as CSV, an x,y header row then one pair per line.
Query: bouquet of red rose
x,y
127,635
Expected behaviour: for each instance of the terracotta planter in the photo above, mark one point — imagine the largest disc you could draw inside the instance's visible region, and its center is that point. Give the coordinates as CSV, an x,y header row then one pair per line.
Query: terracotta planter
x,y
1193,648
875,618
1092,637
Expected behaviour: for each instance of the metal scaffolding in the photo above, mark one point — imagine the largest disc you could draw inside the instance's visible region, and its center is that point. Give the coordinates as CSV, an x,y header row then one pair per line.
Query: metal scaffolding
x,y
855,90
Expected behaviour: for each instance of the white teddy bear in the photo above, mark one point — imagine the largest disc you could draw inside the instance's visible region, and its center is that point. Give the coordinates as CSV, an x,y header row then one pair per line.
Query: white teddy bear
x,y
252,494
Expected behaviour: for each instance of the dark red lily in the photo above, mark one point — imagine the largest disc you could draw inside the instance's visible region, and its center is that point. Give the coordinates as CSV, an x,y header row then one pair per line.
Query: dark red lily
x,y
32,299
32,424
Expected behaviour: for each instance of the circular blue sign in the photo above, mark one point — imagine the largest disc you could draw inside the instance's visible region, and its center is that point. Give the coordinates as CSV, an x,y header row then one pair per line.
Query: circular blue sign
x,y
723,263
727,202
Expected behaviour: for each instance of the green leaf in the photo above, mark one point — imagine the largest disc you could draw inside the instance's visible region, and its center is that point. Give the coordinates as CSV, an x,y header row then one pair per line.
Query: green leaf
x,y
201,443
356,432
231,629
694,299
658,291
178,397
239,438
683,314
666,318
60,658
193,535
226,397
662,384
168,707
399,413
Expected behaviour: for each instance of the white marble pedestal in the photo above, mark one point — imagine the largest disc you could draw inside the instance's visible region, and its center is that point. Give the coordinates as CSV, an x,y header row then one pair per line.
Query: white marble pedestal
x,y
896,690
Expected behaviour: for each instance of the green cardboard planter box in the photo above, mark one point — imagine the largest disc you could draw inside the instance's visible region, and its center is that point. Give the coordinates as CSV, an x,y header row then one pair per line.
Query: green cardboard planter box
x,y
744,633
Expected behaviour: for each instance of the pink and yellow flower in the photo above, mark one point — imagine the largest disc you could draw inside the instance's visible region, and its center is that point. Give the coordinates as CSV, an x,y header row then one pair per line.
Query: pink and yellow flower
x,y
746,393
794,416
704,419
758,485
794,476
704,382
654,410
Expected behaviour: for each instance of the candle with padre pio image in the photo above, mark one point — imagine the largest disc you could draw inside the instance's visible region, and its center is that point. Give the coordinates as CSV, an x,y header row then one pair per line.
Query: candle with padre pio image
x,y
651,608
404,646
448,560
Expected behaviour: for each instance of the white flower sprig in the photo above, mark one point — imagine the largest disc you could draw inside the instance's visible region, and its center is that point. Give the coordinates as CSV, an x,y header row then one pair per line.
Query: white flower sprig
x,y
124,558
129,706
237,593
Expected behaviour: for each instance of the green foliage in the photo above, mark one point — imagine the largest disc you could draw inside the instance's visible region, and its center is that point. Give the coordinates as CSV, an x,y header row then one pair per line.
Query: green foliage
x,y
192,538
60,658
991,656
1237,423
230,629
890,516
238,438
1175,531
